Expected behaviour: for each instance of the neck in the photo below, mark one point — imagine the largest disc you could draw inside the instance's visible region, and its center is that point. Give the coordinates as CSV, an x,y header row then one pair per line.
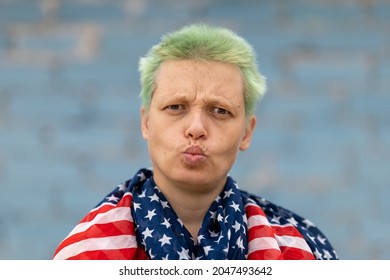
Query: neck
x,y
189,204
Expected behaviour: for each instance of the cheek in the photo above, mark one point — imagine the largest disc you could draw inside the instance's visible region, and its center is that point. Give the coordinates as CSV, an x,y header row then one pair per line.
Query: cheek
x,y
155,125
228,142
162,137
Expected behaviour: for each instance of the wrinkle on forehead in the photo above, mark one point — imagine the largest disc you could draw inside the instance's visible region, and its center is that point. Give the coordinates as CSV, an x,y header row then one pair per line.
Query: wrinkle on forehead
x,y
203,81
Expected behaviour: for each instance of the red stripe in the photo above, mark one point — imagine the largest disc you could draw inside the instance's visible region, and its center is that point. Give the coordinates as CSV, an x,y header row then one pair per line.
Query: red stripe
x,y
121,227
271,230
126,227
253,209
270,254
119,254
100,230
264,230
286,230
125,201
290,253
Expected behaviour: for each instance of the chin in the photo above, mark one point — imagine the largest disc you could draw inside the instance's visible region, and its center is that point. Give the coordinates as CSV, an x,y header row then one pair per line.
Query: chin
x,y
200,178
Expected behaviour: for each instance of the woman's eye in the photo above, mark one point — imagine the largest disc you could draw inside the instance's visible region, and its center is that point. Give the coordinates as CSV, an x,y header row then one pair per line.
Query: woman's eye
x,y
220,111
175,107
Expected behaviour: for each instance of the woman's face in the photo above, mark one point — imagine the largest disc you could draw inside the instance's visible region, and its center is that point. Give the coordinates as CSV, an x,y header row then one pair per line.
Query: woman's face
x,y
196,124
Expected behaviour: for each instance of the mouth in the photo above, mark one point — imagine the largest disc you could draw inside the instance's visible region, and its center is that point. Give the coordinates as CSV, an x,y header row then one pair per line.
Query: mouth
x,y
194,155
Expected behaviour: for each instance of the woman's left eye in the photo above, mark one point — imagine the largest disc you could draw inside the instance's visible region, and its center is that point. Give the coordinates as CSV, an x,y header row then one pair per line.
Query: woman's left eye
x,y
220,111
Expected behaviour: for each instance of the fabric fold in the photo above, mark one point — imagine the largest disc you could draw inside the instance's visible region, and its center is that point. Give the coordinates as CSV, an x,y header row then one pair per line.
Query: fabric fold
x,y
135,221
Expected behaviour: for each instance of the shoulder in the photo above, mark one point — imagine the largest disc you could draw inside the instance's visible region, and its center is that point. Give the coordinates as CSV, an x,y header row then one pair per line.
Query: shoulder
x,y
276,213
281,216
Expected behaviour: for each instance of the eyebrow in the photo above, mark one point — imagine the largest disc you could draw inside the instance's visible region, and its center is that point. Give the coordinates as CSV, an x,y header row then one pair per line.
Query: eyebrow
x,y
182,94
220,100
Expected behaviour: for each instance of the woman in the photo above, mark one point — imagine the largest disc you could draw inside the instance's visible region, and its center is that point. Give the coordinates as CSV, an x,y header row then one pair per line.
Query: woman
x,y
200,86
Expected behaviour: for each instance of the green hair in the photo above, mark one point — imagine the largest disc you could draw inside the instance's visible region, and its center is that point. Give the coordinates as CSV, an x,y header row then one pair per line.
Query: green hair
x,y
204,42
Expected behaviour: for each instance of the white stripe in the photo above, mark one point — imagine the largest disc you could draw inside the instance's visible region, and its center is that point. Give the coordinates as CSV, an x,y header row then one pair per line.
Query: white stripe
x,y
115,214
293,241
102,243
262,243
257,220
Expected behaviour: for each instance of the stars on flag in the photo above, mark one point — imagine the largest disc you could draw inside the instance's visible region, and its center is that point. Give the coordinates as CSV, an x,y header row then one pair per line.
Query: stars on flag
x,y
237,226
228,193
166,223
276,219
147,233
223,231
154,197
136,206
184,254
141,176
207,249
292,221
151,214
308,223
240,243
112,198
165,240
160,234
235,206
158,226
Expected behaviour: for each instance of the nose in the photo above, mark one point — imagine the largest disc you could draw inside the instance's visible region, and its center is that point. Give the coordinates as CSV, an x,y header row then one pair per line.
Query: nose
x,y
196,126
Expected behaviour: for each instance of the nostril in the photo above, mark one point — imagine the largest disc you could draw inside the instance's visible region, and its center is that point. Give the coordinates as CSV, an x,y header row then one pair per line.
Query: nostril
x,y
196,126
196,132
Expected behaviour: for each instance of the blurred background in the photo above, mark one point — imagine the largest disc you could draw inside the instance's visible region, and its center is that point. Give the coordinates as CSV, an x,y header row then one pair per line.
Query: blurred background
x,y
69,111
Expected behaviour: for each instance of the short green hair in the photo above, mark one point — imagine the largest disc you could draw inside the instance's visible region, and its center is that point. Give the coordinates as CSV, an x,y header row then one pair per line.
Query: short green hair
x,y
204,42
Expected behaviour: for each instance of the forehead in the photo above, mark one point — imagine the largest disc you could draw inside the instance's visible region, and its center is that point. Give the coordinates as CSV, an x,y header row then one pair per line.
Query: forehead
x,y
208,76
176,67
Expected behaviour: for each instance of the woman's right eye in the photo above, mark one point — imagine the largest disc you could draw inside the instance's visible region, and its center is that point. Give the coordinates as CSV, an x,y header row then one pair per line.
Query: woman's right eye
x,y
175,107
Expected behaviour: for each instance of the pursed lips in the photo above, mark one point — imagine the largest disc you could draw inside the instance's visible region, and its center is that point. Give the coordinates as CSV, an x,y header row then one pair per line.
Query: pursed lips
x,y
194,155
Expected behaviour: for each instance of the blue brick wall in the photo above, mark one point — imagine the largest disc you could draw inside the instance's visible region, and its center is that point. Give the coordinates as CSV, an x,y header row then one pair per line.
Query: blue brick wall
x,y
69,117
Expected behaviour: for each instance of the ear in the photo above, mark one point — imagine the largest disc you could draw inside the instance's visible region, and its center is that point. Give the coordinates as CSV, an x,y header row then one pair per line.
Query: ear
x,y
247,138
144,123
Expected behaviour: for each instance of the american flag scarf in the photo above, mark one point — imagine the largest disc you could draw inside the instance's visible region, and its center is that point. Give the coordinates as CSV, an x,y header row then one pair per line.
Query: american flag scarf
x,y
135,221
